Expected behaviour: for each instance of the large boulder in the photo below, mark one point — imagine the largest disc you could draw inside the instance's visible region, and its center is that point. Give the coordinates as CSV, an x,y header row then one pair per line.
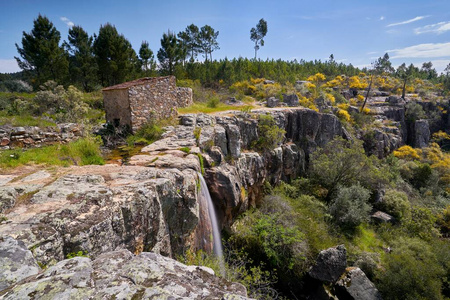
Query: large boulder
x,y
16,262
330,264
8,196
122,275
291,100
356,286
273,102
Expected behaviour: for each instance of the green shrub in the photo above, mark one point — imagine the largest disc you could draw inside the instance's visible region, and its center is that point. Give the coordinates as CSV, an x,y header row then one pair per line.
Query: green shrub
x,y
213,102
396,204
147,134
410,271
350,207
269,134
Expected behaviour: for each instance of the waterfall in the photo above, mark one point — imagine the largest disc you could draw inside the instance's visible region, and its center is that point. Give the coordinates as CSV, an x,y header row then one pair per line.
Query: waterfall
x,y
218,251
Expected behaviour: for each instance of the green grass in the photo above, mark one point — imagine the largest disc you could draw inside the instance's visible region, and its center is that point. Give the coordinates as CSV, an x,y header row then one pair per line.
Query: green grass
x,y
84,151
25,120
18,95
202,107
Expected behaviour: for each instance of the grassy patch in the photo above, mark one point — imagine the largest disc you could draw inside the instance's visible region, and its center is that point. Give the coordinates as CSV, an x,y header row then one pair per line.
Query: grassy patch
x,y
200,107
26,120
81,152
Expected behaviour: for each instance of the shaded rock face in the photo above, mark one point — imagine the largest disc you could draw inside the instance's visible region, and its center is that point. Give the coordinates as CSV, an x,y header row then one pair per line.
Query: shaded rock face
x,y
136,208
122,275
330,264
16,262
421,134
355,285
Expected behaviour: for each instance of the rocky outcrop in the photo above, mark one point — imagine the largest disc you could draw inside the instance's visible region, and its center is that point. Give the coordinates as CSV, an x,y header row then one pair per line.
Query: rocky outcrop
x,y
119,275
32,136
103,208
420,134
330,264
152,203
355,285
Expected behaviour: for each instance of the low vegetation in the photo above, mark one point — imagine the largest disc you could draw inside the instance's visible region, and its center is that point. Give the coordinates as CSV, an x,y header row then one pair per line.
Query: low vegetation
x,y
84,151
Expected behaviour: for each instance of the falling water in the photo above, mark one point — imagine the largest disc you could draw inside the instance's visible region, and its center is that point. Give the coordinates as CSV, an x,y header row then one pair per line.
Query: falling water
x,y
218,251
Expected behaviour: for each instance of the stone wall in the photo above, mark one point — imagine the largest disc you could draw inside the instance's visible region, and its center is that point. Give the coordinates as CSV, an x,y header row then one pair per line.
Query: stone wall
x,y
117,107
33,137
136,102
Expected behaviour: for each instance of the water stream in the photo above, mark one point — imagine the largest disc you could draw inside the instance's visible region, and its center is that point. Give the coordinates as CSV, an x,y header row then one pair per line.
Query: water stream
x,y
218,250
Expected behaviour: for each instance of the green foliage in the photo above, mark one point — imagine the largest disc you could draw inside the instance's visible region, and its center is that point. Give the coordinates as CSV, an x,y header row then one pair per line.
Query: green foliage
x,y
82,65
147,134
80,152
185,149
238,268
170,53
421,224
26,120
197,134
207,38
77,254
114,56
396,204
344,163
213,102
147,60
258,33
41,55
350,207
269,134
411,271
414,111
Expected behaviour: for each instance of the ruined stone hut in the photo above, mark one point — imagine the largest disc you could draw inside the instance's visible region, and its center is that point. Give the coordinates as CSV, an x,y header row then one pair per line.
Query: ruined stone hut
x,y
136,102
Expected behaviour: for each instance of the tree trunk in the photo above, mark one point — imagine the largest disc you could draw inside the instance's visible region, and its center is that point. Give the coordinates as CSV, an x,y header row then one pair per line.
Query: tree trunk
x,y
367,95
404,89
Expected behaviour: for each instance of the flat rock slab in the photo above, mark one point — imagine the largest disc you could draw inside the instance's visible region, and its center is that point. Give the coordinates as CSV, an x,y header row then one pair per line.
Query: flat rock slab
x,y
122,275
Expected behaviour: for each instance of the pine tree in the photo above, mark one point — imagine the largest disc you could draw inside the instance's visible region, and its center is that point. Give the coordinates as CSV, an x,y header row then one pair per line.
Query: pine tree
x,y
42,56
169,54
82,64
146,59
257,34
208,41
115,57
190,41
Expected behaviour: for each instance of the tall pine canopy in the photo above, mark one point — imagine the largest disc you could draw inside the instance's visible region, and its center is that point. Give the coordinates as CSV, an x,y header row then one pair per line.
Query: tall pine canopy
x,y
41,56
116,58
170,53
82,64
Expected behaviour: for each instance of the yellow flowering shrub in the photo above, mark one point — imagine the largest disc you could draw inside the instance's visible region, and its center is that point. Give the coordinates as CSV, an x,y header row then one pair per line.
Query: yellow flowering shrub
x,y
360,98
330,98
357,83
407,152
343,106
308,103
343,115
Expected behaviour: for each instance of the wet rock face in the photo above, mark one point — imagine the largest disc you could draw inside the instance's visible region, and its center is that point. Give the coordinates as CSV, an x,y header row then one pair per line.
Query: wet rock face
x,y
122,275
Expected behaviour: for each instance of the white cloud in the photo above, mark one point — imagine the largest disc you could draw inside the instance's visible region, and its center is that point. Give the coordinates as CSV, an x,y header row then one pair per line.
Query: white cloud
x,y
440,64
9,66
381,18
437,28
371,53
422,50
408,21
67,21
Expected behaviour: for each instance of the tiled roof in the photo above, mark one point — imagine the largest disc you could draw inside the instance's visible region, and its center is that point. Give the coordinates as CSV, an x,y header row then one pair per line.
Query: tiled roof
x,y
128,84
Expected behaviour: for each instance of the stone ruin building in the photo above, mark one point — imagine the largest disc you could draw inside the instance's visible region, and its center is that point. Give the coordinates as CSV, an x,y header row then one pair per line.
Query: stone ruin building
x,y
136,102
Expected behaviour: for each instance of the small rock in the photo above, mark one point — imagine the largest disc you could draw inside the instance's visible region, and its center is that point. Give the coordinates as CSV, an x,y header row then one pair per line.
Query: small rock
x,y
4,141
273,102
269,81
382,217
18,131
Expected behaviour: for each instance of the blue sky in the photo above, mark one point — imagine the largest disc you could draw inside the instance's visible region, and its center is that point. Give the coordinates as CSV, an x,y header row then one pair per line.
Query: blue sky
x,y
354,31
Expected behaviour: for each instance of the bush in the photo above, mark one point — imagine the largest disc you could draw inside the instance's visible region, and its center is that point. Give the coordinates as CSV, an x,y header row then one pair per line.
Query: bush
x,y
213,102
414,111
396,204
350,207
410,271
270,135
147,134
